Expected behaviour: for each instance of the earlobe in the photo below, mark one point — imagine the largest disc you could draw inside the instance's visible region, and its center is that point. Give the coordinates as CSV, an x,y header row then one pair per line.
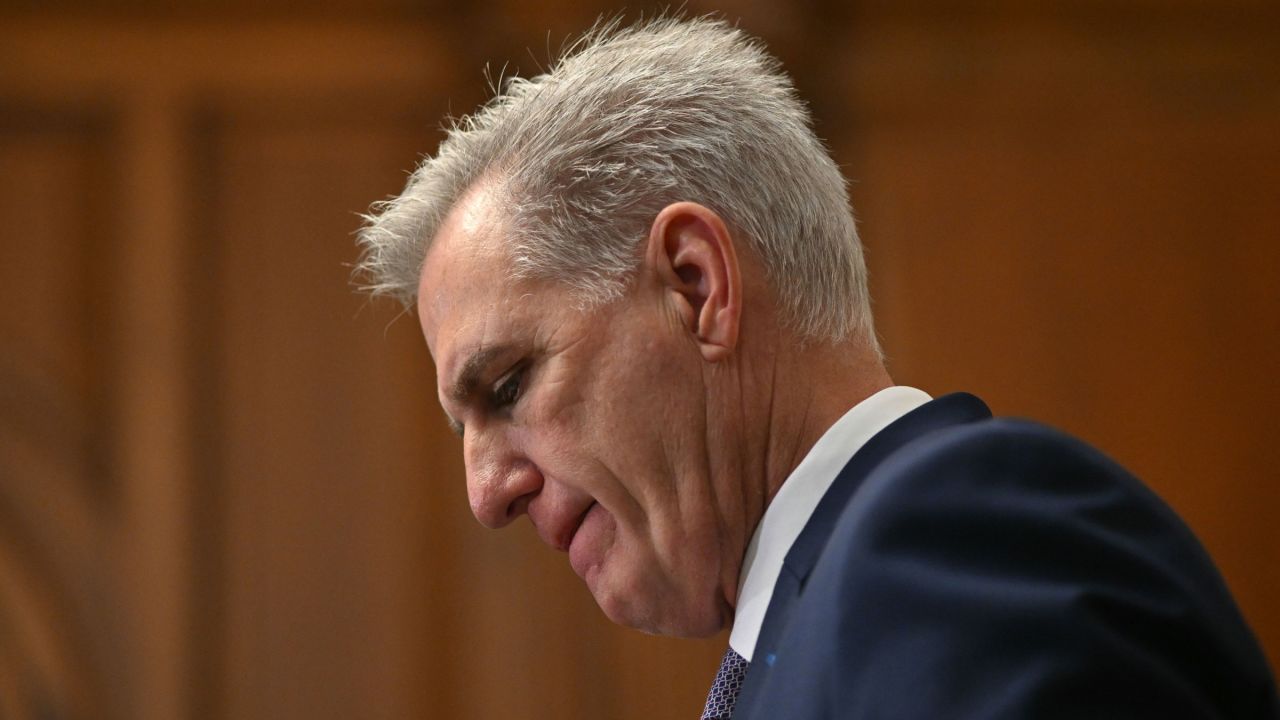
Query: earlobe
x,y
694,258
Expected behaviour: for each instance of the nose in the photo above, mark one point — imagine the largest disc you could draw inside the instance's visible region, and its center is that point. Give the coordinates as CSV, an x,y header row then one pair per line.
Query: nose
x,y
500,482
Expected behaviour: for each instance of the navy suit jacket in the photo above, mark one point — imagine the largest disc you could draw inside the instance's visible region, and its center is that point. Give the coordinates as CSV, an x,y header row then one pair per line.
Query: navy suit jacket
x,y
962,566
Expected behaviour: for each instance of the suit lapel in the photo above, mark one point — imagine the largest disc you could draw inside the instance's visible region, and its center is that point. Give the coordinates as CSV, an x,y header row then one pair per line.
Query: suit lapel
x,y
954,409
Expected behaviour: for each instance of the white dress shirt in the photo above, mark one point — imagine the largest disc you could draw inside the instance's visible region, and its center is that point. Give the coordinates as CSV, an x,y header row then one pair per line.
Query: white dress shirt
x,y
798,497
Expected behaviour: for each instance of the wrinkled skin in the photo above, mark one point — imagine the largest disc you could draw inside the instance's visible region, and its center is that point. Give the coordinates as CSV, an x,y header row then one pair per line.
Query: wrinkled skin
x,y
643,438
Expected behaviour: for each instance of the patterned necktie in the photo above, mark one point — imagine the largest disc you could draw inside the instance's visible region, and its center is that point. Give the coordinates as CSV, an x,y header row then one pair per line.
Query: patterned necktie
x,y
725,689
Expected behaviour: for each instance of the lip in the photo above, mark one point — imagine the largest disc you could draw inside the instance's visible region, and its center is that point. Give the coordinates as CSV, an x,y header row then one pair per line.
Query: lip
x,y
584,546
577,525
564,529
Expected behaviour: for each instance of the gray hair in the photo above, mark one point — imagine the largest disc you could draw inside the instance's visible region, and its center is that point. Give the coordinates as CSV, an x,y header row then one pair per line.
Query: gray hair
x,y
582,158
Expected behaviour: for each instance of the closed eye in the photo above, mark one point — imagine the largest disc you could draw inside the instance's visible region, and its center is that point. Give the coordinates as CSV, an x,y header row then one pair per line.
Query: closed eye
x,y
507,392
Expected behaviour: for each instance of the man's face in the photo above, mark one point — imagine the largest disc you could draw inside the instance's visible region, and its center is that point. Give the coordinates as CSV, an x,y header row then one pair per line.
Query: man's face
x,y
594,424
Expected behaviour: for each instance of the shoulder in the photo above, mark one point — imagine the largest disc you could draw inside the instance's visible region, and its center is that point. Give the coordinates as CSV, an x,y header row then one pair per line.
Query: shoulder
x,y
1009,472
1005,562
1001,453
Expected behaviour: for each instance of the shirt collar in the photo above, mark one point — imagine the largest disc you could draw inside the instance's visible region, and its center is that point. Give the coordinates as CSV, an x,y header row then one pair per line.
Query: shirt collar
x,y
796,500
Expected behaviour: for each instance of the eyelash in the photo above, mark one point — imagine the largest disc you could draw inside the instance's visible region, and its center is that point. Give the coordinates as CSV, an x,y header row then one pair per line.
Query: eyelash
x,y
508,391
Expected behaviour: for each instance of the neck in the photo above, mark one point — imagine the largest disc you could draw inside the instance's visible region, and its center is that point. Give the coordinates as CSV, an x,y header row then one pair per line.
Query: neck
x,y
810,388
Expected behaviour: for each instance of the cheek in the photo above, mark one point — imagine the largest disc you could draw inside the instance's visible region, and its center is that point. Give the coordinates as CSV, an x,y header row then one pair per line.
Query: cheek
x,y
619,414
642,377
649,430
662,404
552,430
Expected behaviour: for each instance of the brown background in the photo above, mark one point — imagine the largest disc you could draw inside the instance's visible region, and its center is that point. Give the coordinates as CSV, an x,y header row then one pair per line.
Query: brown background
x,y
226,490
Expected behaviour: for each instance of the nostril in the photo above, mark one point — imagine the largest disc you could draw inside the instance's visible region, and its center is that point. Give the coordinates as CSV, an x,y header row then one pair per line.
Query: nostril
x,y
519,507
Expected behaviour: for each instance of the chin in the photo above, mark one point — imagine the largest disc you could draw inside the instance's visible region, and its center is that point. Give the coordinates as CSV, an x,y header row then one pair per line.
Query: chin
x,y
660,616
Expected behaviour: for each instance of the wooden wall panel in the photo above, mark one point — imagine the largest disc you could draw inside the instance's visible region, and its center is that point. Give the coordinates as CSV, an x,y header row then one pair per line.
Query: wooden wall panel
x,y
56,591
323,462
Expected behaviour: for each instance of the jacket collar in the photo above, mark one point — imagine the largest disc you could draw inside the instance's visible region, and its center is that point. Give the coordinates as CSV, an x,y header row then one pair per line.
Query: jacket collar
x,y
953,409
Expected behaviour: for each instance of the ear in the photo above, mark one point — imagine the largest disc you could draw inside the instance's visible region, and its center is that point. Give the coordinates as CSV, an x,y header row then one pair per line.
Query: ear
x,y
692,254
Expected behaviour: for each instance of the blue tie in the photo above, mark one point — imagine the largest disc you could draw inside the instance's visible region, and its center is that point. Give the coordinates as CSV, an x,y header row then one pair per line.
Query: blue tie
x,y
725,688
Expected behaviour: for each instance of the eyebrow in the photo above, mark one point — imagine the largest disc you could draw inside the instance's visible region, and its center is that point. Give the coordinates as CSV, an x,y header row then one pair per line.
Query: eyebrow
x,y
467,380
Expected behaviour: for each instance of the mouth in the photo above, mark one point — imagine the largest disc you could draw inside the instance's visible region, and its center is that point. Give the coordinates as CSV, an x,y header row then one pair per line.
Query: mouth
x,y
584,532
587,546
577,525
562,534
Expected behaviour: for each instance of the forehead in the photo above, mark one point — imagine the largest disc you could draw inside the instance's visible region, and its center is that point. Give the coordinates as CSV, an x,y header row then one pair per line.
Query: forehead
x,y
466,298
463,265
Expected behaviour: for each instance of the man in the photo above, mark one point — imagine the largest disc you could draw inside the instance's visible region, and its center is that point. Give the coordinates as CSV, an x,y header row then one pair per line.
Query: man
x,y
639,277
